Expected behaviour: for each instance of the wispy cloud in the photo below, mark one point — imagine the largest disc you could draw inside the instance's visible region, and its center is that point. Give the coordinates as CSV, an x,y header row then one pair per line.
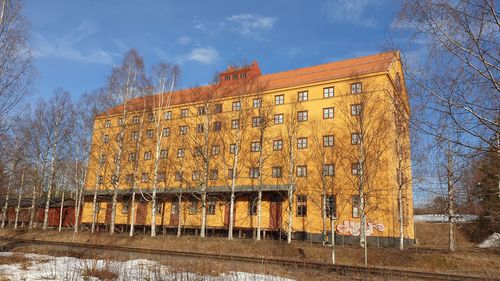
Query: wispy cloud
x,y
183,40
67,46
251,25
203,55
352,11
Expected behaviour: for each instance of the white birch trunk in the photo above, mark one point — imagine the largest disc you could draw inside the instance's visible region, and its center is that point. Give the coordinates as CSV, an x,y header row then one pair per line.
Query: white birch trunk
x,y
131,209
6,205
61,212
51,180
19,200
233,186
179,223
33,205
451,198
332,221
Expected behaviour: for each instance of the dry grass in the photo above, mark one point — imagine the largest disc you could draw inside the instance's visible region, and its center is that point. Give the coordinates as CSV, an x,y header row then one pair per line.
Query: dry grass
x,y
16,258
431,254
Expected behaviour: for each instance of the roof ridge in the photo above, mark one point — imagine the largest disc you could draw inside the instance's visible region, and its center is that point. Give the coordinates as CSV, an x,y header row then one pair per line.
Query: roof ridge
x,y
332,63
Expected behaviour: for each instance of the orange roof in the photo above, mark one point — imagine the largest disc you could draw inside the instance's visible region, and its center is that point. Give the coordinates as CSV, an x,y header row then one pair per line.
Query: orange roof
x,y
323,72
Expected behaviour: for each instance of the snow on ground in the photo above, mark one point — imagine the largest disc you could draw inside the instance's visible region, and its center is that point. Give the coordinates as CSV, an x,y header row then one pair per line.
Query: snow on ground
x,y
443,218
492,241
44,267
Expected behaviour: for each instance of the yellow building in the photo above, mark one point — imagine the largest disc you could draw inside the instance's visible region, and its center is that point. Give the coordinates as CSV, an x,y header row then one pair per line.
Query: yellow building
x,y
339,127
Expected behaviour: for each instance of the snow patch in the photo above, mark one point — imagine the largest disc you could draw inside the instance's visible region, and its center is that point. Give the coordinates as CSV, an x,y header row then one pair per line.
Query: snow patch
x,y
492,241
44,267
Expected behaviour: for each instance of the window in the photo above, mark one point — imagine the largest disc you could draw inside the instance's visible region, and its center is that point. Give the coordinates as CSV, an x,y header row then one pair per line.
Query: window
x,y
236,106
149,134
355,206
202,110
180,153
136,120
144,177
254,172
114,179
252,206
147,155
215,149
301,205
277,172
118,137
328,170
331,206
356,88
174,208
235,76
243,75
328,141
257,103
199,128
183,130
230,173
232,148
178,176
255,146
107,124
198,151
356,169
256,121
227,77
166,132
151,117
302,96
277,144
278,119
120,122
193,206
134,135
214,174
217,126
211,206
125,208
302,171
100,179
196,175
132,157
328,92
328,113
301,143
184,113
102,159
218,108
161,177
105,138
159,208
235,124
356,138
302,116
168,115
279,99
163,154
356,109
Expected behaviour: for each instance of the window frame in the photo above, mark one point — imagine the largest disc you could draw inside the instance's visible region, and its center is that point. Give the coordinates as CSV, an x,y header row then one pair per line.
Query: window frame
x,y
327,93
279,99
302,116
303,96
328,112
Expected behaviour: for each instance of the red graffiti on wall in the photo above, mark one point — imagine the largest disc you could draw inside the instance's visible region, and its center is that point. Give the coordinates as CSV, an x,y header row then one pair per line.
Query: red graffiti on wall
x,y
354,228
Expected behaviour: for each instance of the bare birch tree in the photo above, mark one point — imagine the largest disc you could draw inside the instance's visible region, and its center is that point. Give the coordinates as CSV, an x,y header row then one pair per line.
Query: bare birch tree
x,y
164,78
17,71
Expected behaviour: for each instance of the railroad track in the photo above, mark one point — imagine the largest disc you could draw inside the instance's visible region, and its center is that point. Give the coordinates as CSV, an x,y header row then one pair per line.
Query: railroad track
x,y
347,270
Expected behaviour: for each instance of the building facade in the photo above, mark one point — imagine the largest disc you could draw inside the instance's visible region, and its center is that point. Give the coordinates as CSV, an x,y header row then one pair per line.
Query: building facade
x,y
325,139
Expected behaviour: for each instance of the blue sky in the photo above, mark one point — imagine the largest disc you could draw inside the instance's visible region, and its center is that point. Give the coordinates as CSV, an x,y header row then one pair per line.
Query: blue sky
x,y
76,43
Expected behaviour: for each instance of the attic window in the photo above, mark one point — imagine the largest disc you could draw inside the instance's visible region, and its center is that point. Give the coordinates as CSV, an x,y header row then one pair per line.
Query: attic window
x,y
243,75
235,76
227,77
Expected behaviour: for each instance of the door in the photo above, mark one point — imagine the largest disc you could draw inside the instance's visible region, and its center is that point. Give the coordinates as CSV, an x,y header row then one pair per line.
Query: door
x,y
109,208
174,214
142,211
275,213
227,207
